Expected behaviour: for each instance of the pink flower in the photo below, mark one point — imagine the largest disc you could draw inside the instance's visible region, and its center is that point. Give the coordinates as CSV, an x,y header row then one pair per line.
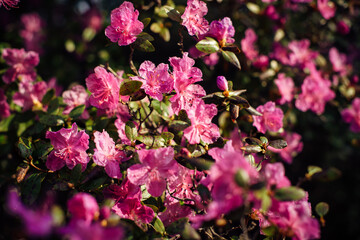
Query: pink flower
x,y
193,17
286,88
9,3
338,61
300,53
342,27
261,61
104,88
280,53
122,192
156,81
51,83
74,97
200,115
275,176
32,31
326,8
120,125
4,106
174,211
156,165
352,115
125,25
30,94
222,83
294,146
21,63
315,92
271,12
131,208
223,31
93,19
271,119
83,206
69,148
212,59
184,76
106,155
248,44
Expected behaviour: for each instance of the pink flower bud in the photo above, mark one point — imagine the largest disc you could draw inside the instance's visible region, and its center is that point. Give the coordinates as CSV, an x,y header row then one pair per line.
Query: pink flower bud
x,y
222,83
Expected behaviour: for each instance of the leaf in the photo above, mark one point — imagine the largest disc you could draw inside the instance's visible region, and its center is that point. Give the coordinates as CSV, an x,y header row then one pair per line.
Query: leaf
x,y
42,149
146,22
253,111
289,194
253,7
48,96
322,208
253,141
144,36
208,45
312,170
131,131
328,175
234,111
54,105
145,46
25,147
77,111
242,178
269,231
138,95
167,136
239,101
236,92
178,126
155,27
278,144
232,58
32,187
159,226
51,120
172,13
182,227
88,34
252,148
94,184
76,174
21,171
152,141
231,48
198,163
129,87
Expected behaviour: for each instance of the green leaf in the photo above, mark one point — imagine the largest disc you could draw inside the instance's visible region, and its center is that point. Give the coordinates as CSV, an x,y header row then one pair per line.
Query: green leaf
x,y
151,141
172,13
131,131
182,227
156,27
165,34
145,46
138,95
239,101
144,36
48,96
328,175
322,208
94,184
88,34
234,111
312,170
253,141
51,120
178,126
269,231
242,178
232,58
208,45
252,148
42,149
77,111
264,140
54,105
146,21
25,147
289,193
167,136
129,87
253,111
159,226
278,144
199,163
32,187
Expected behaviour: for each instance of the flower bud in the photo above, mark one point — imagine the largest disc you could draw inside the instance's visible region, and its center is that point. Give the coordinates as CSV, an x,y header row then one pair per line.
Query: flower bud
x,y
222,83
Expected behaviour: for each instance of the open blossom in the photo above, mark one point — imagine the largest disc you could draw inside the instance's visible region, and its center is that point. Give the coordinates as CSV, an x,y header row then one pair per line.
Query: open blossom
x,y
125,25
200,115
193,17
84,207
352,115
69,148
106,155
32,31
326,8
4,106
286,88
274,174
156,165
74,97
104,88
294,146
21,63
9,3
342,27
222,30
248,44
300,54
315,93
156,80
338,61
30,94
184,76
271,119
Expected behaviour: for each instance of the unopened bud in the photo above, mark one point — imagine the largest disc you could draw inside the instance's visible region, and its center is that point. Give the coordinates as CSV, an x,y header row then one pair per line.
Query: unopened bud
x,y
222,83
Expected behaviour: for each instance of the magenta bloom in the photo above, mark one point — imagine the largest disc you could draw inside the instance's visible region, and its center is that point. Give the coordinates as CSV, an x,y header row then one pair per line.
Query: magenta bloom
x,y
4,106
184,76
21,63
69,148
156,81
201,127
222,83
338,61
30,94
271,12
74,97
286,88
271,119
300,53
125,25
352,115
104,88
223,31
93,19
248,44
9,3
193,17
342,27
315,92
326,8
275,175
262,61
32,31
294,146
106,155
84,207
156,165
131,208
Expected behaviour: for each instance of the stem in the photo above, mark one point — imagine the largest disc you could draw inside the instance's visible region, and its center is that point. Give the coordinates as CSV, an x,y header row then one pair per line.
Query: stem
x,y
181,43
147,115
30,161
132,66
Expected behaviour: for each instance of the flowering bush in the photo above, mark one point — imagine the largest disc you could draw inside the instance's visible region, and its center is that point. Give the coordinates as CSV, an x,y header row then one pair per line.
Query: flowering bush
x,y
188,143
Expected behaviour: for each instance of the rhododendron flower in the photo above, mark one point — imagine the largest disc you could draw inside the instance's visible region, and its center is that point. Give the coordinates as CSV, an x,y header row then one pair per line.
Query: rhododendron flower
x,y
200,115
326,8
156,80
271,12
93,19
131,208
69,148
74,97
174,211
342,27
32,31
315,92
247,44
294,146
212,59
338,61
223,31
106,154
300,53
352,115
52,83
104,88
184,76
125,25
286,88
261,61
275,175
222,83
280,53
4,106
30,94
21,63
9,3
193,17
37,223
156,165
83,206
271,119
